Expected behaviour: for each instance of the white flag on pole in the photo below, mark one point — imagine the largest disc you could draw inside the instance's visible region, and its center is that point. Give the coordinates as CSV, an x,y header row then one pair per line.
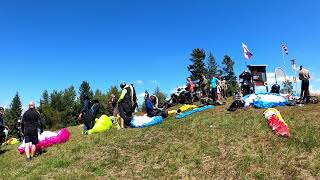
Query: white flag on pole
x,y
246,52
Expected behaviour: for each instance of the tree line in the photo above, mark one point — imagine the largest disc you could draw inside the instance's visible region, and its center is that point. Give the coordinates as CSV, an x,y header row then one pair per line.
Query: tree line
x,y
200,65
60,109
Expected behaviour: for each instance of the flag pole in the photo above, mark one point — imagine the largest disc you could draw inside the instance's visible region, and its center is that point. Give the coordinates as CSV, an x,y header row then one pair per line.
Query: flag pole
x,y
284,64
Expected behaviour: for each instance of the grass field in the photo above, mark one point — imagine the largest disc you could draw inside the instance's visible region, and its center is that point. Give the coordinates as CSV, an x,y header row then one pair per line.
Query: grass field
x,y
215,144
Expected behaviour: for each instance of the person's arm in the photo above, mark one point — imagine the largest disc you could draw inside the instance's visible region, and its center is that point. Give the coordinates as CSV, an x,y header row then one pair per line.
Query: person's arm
x,y
300,75
123,93
149,105
39,122
22,123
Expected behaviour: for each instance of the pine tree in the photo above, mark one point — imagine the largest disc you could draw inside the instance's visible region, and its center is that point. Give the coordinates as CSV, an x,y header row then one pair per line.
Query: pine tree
x,y
197,68
13,113
45,109
161,96
230,76
85,89
212,66
69,110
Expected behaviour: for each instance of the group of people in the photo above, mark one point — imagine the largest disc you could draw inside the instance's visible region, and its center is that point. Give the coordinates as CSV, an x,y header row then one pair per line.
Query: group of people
x,y
28,126
123,106
214,88
4,130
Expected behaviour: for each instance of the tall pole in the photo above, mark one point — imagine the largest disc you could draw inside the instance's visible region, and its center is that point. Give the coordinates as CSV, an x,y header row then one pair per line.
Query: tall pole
x,y
294,70
284,64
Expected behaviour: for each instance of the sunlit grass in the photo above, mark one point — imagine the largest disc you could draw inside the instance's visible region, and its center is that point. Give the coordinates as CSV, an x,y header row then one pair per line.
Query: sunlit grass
x,y
211,144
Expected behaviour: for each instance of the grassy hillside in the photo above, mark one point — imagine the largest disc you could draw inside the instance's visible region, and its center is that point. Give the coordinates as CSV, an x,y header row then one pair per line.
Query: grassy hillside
x,y
211,144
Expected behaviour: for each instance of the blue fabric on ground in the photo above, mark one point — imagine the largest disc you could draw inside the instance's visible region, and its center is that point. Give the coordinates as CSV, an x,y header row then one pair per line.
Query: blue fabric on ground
x,y
266,100
188,113
153,121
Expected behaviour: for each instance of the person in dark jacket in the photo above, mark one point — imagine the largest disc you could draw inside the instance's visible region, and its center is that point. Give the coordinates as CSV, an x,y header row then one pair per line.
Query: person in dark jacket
x,y
30,125
151,109
246,82
85,115
127,104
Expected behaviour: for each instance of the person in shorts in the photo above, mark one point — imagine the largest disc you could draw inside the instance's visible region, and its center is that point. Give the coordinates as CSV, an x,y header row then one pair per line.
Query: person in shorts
x,y
30,123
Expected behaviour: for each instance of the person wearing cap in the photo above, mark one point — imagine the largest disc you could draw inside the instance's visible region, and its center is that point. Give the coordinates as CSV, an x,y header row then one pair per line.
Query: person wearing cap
x,y
30,125
127,104
304,76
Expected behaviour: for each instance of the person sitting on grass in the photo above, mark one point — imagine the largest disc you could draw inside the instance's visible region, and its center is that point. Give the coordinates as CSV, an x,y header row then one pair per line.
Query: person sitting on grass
x,y
150,107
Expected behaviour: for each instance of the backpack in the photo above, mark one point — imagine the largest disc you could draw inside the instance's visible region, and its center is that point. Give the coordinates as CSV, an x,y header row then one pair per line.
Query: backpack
x,y
313,99
235,105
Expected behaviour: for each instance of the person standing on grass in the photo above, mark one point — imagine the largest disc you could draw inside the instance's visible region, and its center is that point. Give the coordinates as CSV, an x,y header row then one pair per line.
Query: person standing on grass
x,y
85,115
1,125
190,89
30,125
204,86
214,85
115,110
224,87
127,104
304,76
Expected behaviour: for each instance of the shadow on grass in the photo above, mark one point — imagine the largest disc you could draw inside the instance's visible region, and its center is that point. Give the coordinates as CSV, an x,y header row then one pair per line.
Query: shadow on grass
x,y
2,151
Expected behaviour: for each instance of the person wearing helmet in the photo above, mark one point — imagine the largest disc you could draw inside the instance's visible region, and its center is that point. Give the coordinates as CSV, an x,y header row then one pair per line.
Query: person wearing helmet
x,y
127,104
1,125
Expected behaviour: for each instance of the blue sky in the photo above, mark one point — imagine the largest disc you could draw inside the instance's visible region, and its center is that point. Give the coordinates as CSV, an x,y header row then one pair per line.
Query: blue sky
x,y
53,44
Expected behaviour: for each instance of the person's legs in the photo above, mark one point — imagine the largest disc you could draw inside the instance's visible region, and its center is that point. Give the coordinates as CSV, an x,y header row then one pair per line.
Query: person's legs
x,y
34,143
128,118
33,150
122,123
123,116
85,127
27,149
306,91
152,113
214,94
302,89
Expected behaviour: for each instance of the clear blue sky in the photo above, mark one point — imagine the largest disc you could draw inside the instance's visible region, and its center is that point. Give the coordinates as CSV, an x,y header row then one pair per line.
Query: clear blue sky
x,y
53,44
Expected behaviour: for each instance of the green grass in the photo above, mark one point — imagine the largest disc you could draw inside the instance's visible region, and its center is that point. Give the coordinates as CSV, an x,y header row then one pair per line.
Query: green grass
x,y
207,145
